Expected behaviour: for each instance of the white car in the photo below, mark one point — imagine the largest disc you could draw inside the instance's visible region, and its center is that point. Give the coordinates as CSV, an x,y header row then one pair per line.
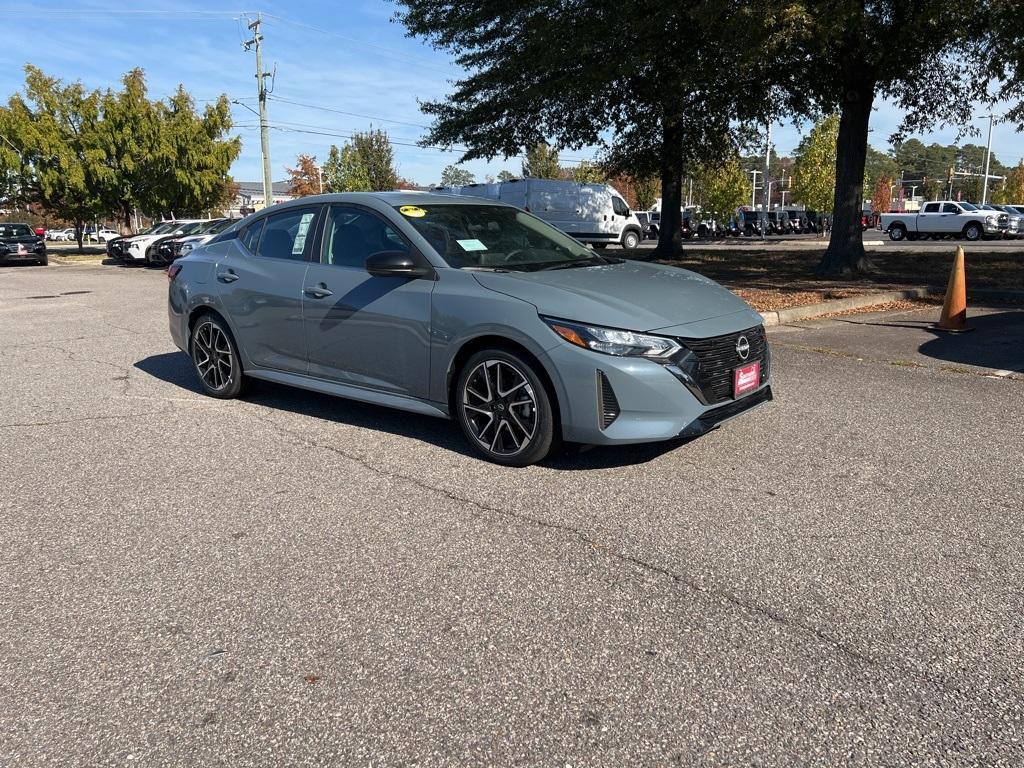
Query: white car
x,y
944,218
137,245
60,234
105,234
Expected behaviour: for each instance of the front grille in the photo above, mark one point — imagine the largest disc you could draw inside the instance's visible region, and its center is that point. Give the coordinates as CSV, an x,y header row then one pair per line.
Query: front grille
x,y
607,404
718,359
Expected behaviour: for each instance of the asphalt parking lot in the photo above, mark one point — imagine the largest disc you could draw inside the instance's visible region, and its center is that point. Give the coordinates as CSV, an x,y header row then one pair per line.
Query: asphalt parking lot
x,y
294,579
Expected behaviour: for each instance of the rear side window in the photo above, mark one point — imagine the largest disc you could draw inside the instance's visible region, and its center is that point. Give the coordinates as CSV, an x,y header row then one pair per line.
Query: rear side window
x,y
250,236
287,235
931,208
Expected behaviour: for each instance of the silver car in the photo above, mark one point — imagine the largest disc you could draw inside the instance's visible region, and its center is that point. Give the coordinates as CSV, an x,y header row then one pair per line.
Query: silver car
x,y
467,309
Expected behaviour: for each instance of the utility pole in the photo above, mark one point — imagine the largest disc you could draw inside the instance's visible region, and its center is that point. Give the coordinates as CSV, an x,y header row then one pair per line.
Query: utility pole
x,y
261,83
988,159
768,170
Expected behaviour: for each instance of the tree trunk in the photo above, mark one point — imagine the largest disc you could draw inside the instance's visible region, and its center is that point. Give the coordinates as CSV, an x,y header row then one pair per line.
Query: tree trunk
x,y
845,252
80,235
670,237
126,212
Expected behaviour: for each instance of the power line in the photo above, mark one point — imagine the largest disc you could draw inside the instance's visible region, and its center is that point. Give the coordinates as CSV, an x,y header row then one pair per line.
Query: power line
x,y
349,114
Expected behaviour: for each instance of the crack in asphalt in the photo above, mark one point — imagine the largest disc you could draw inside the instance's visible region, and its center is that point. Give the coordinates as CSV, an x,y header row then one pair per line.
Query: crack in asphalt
x,y
119,417
749,606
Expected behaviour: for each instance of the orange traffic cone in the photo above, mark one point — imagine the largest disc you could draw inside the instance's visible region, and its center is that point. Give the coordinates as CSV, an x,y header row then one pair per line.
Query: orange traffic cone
x,y
954,308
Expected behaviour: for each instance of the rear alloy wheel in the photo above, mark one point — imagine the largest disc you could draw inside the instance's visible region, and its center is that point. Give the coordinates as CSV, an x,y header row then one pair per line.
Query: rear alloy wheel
x,y
44,260
630,240
973,232
897,232
215,358
504,409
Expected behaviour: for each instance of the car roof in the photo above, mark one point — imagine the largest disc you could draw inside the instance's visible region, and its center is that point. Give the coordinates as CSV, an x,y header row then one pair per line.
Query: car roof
x,y
397,198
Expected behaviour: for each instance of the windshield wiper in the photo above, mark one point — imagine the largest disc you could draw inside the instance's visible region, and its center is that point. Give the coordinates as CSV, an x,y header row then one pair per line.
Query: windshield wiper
x,y
592,261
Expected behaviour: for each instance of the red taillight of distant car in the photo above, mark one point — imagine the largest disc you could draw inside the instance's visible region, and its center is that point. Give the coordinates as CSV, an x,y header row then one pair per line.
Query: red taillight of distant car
x,y
173,270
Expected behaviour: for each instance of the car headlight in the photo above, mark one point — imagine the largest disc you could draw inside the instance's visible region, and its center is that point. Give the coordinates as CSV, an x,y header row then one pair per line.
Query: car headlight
x,y
612,341
991,220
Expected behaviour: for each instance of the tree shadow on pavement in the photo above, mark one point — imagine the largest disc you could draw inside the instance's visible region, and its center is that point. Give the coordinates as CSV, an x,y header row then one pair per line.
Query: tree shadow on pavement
x,y
176,368
997,341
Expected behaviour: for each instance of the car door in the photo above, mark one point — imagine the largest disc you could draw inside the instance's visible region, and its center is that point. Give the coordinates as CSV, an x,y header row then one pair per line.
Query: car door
x,y
950,220
261,283
929,219
360,329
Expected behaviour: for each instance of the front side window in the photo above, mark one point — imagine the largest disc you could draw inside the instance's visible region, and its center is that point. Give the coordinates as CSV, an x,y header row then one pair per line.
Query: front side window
x,y
353,234
285,235
494,237
950,208
620,207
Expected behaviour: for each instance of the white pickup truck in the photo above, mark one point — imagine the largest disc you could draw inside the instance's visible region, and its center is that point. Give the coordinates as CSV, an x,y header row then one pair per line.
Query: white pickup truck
x,y
944,217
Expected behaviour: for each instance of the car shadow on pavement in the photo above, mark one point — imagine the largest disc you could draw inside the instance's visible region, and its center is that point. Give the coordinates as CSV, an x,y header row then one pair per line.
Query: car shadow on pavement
x,y
176,368
996,341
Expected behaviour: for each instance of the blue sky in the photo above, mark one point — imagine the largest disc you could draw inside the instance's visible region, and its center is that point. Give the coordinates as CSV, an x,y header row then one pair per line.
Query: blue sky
x,y
340,57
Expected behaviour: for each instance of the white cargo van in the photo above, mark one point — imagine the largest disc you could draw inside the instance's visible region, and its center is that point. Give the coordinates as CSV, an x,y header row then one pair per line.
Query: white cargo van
x,y
592,213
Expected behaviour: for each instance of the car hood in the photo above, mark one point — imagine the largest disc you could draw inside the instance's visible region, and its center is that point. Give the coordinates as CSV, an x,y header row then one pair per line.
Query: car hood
x,y
630,295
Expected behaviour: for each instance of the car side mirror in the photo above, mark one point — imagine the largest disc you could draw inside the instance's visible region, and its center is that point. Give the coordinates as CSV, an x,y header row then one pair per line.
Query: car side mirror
x,y
395,264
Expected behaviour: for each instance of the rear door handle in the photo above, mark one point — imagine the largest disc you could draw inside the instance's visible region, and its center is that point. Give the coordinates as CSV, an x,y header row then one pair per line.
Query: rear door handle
x,y
318,291
227,277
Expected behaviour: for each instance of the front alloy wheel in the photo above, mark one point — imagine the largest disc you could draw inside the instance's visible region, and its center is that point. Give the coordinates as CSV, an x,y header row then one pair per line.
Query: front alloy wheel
x,y
215,358
504,409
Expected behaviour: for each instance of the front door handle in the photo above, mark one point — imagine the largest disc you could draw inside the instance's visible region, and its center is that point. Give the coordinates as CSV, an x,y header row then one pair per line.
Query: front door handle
x,y
318,291
227,277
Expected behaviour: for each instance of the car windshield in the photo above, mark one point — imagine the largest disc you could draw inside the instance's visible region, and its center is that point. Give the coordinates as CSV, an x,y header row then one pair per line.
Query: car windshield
x,y
216,227
969,207
15,230
495,237
162,229
191,228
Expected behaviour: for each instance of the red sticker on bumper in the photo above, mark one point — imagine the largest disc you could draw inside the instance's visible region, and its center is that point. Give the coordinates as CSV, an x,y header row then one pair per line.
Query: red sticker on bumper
x,y
746,379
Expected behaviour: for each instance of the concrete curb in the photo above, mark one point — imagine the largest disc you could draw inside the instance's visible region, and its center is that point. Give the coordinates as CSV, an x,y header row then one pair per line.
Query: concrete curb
x,y
792,314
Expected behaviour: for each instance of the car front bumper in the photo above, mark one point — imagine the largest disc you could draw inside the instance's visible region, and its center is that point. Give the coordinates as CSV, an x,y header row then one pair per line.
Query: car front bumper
x,y
653,403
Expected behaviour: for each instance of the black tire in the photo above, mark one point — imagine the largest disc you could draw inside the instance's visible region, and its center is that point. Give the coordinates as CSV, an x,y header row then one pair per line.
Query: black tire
x,y
215,358
912,237
897,232
599,246
630,239
525,422
973,232
44,260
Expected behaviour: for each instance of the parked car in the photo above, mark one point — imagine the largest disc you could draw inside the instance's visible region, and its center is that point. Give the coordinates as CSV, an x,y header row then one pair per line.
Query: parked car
x,y
644,219
19,242
60,234
944,217
591,213
754,223
135,252
1011,227
469,309
105,235
779,223
166,249
1019,211
117,248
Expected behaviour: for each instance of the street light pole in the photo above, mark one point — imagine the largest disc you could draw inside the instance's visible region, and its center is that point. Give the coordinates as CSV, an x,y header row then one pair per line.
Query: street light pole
x,y
988,159
753,190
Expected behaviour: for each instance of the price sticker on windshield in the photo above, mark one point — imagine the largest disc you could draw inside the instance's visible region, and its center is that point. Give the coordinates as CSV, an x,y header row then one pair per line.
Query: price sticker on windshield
x,y
413,211
472,245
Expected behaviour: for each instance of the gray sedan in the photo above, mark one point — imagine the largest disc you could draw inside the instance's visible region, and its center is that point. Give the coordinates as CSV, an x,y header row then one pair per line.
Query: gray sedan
x,y
465,309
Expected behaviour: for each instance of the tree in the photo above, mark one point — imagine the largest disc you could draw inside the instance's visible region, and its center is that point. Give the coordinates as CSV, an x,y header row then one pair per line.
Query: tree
x,y
364,164
453,176
541,162
721,187
645,190
586,172
881,195
814,173
345,171
839,54
305,178
876,165
505,175
50,140
1012,191
525,84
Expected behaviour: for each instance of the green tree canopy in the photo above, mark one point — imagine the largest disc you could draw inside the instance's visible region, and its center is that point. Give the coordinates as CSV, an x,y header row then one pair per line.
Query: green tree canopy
x,y
721,187
345,171
586,172
505,175
541,162
453,176
526,82
814,173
